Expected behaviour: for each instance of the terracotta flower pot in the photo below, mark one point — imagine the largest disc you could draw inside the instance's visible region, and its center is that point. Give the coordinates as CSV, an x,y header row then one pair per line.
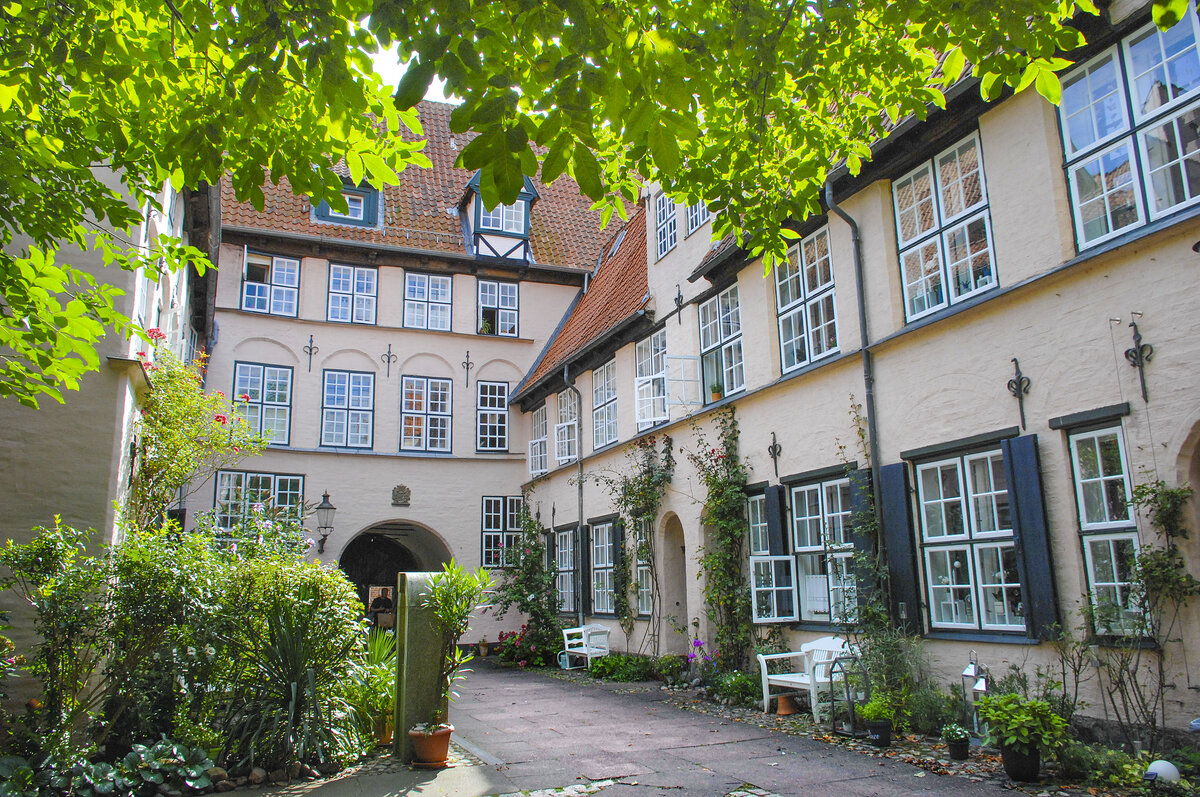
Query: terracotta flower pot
x,y
431,750
1023,767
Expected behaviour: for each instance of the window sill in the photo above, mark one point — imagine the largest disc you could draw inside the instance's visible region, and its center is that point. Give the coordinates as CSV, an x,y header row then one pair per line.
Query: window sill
x,y
360,325
976,636
813,625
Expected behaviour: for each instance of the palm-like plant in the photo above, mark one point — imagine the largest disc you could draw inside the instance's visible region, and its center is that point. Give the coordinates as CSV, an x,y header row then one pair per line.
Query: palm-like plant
x,y
453,596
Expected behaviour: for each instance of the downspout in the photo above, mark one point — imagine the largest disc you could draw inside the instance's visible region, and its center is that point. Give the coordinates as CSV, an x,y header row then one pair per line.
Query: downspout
x,y
579,478
868,365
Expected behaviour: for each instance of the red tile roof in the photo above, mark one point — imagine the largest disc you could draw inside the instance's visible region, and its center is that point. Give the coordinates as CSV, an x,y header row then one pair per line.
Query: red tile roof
x,y
564,230
616,292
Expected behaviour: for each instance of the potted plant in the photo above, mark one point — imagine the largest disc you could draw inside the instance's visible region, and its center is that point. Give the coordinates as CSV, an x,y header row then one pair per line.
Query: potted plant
x,y
879,714
375,685
1023,729
717,391
958,740
482,646
453,596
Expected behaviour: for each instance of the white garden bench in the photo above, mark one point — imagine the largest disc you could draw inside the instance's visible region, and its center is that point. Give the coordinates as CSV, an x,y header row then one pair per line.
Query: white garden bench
x,y
585,642
809,670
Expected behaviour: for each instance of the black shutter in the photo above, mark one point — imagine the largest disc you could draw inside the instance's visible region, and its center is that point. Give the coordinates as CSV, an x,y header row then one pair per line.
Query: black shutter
x,y
1030,537
777,520
864,542
620,576
585,570
551,551
896,517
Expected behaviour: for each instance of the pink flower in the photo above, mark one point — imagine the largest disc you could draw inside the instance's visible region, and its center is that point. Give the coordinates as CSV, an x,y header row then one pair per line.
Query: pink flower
x,y
244,397
156,334
142,354
219,393
221,419
522,663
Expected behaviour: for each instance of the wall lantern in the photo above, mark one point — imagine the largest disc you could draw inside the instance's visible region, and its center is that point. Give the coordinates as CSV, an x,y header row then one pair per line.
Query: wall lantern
x,y
325,512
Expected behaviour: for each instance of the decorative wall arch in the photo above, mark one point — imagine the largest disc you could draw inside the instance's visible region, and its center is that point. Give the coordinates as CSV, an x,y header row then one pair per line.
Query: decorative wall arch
x,y
350,360
264,349
498,370
427,364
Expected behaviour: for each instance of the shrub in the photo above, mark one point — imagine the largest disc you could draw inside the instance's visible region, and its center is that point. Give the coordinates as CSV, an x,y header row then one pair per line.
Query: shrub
x,y
736,687
929,708
885,704
1022,725
1097,765
671,668
525,648
622,667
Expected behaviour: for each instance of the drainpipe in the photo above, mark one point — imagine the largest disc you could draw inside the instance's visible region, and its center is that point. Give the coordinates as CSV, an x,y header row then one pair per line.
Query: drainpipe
x,y
867,358
579,479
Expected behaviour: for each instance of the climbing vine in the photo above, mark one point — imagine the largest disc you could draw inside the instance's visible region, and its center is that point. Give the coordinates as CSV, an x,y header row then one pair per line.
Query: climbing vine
x,y
528,584
723,556
637,491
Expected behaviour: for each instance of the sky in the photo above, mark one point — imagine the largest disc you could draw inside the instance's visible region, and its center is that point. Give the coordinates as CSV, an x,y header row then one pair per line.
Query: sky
x,y
389,67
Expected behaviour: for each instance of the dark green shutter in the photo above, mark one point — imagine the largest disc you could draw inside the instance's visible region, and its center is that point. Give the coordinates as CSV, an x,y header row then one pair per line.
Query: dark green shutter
x,y
585,569
777,520
1030,537
620,576
861,518
896,517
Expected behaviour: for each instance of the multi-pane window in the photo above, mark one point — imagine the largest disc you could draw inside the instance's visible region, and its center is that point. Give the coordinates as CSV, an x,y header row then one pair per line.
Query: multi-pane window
x,y
507,218
271,284
943,229
773,578
650,384
355,206
664,224
824,553
643,552
805,303
604,404
501,525
538,460
424,414
263,396
427,301
362,208
348,409
238,492
491,416
967,541
697,215
564,559
1130,119
1110,542
721,343
566,431
603,557
352,294
498,308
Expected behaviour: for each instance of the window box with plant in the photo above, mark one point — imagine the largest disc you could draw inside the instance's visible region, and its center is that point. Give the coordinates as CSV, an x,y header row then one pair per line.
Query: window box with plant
x,y
1024,730
958,741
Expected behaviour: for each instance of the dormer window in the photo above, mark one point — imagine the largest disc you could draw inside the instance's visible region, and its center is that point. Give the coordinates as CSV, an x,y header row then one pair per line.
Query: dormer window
x,y
507,218
362,208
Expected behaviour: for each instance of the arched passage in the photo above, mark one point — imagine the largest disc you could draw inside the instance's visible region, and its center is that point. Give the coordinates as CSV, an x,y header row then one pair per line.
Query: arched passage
x,y
673,582
377,554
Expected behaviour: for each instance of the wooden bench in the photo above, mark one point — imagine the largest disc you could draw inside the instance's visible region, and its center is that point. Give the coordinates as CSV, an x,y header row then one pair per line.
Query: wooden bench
x,y
807,669
585,642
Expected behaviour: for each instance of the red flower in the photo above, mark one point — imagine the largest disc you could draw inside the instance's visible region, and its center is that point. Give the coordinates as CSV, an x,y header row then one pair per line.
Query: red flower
x,y
219,418
244,397
221,394
156,334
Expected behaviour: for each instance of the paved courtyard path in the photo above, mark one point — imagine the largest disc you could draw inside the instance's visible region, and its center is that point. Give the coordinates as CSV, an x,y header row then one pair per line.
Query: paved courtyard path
x,y
524,731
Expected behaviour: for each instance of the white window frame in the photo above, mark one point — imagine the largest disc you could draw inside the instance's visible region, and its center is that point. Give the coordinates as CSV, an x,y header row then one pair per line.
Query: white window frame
x,y
1125,624
279,294
722,360
650,382
771,577
500,527
427,301
355,207
491,416
267,402
697,216
352,294
804,296
538,460
426,404
1132,130
566,431
820,536
604,405
932,246
236,491
1094,436
503,218
499,305
666,233
643,552
603,559
566,568
981,508
348,413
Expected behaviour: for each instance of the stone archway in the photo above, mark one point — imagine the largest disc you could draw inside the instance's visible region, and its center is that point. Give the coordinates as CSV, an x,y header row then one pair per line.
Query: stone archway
x,y
377,554
673,583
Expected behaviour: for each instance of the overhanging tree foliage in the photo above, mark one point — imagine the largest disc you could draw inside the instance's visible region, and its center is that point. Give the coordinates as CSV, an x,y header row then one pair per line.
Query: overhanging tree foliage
x,y
746,105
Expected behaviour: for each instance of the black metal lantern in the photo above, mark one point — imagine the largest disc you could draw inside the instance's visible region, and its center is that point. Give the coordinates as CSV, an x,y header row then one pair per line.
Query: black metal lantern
x,y
325,512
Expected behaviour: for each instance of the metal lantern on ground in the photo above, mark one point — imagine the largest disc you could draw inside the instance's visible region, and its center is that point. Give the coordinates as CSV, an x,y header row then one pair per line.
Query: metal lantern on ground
x,y
970,679
325,512
849,686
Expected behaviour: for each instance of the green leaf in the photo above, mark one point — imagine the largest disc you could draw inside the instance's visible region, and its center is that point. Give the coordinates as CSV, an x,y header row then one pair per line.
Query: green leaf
x,y
1167,13
1049,86
414,84
587,172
